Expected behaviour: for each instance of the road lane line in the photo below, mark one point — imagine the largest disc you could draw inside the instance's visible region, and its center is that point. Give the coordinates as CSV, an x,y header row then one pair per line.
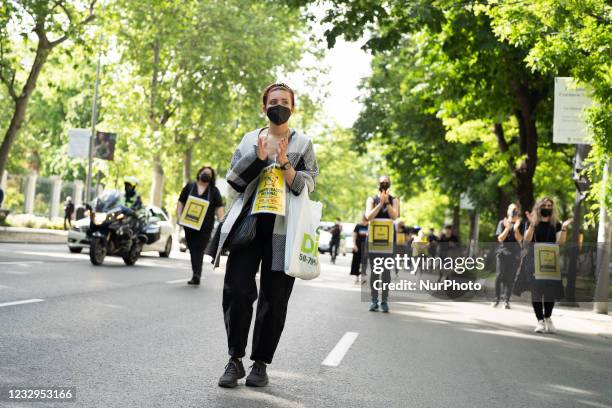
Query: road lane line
x,y
334,358
21,302
21,263
177,281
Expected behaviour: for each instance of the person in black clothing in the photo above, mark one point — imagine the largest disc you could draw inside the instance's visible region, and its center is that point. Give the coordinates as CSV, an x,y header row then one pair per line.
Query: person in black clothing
x,y
382,205
360,239
1,196
334,243
433,240
447,246
68,211
543,226
204,188
508,253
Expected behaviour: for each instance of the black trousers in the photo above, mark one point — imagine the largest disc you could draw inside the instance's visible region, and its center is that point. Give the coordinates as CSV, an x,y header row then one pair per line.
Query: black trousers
x,y
334,245
196,243
240,291
381,278
507,265
543,309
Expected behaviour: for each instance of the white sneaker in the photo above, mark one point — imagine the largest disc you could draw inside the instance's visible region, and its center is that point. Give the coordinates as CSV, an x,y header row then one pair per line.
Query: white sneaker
x,y
357,280
540,327
550,327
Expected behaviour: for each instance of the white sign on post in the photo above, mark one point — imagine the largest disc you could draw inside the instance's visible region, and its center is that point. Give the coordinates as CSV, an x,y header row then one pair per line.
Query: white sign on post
x,y
78,143
569,125
465,202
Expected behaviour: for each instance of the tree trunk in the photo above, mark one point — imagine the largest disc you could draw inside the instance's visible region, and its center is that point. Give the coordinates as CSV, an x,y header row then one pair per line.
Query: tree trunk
x,y
503,201
456,220
528,145
157,187
187,155
21,102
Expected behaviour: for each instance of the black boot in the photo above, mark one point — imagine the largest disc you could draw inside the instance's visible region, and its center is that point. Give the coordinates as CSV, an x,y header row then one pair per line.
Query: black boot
x,y
194,281
257,377
234,370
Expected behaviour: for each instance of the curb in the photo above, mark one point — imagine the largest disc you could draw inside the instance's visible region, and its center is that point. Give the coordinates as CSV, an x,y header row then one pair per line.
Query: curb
x,y
32,235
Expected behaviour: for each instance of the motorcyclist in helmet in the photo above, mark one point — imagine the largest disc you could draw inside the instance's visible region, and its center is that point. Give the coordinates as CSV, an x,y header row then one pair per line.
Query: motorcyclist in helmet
x,y
132,198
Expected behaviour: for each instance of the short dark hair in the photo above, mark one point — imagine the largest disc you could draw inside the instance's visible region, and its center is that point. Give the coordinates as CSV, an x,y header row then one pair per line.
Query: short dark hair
x,y
213,177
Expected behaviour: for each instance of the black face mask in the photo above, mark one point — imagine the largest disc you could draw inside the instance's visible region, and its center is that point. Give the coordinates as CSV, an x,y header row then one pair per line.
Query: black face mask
x,y
515,213
205,177
278,114
545,212
383,186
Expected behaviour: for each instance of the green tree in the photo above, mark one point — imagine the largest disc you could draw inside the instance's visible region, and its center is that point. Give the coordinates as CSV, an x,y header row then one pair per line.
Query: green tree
x,y
345,179
31,30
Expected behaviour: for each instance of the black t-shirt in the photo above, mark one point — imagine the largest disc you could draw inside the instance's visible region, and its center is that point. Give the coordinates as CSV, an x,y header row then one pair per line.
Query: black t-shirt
x,y
510,237
545,232
362,234
452,238
510,241
383,213
69,209
215,199
335,231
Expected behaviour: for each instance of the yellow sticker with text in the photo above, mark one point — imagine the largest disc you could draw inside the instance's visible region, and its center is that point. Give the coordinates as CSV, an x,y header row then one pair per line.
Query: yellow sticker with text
x,y
547,264
194,212
270,196
380,236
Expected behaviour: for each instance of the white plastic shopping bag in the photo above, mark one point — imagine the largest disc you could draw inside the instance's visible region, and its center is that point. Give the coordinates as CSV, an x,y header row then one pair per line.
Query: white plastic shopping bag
x,y
302,245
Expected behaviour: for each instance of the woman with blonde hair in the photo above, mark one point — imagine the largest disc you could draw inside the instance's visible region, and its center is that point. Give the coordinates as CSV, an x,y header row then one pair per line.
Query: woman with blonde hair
x,y
543,227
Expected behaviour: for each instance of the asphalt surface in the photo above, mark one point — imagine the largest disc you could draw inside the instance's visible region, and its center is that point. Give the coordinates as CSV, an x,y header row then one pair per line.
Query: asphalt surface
x,y
126,337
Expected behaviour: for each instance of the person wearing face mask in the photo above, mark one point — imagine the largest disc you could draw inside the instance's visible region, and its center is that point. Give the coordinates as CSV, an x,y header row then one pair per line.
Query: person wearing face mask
x,y
264,248
542,226
382,205
204,187
508,253
360,240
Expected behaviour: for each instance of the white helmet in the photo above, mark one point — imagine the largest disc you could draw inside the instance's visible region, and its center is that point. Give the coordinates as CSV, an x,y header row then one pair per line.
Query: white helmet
x,y
131,180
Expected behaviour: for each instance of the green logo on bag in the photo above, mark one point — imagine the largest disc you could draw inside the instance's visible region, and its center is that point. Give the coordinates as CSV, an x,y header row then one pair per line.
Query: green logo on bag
x,y
310,245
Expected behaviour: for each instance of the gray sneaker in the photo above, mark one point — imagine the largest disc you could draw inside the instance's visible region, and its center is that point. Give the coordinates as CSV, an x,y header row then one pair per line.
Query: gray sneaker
x,y
234,370
257,377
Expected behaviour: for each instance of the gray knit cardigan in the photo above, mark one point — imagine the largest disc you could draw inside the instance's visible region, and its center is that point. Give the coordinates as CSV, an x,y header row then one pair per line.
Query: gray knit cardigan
x,y
243,177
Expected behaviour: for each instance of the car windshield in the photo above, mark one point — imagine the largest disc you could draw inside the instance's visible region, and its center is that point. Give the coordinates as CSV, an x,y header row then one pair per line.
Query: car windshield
x,y
109,200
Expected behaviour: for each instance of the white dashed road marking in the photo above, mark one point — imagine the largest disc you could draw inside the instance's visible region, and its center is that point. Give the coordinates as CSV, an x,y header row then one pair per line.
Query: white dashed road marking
x,y
334,358
21,302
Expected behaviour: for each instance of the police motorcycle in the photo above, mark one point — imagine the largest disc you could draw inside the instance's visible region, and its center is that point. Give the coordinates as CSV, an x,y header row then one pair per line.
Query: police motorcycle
x,y
117,230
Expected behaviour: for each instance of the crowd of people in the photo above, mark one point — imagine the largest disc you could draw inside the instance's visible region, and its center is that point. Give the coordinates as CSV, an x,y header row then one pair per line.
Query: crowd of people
x,y
515,255
255,242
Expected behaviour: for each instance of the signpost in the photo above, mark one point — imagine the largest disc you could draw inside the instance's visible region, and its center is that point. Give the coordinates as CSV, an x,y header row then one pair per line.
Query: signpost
x,y
78,143
569,127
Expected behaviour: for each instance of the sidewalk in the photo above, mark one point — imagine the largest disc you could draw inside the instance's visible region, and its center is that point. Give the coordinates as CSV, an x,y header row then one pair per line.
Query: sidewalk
x,y
32,235
517,321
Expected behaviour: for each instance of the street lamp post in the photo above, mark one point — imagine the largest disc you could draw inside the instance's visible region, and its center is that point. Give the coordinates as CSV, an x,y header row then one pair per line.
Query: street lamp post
x,y
94,119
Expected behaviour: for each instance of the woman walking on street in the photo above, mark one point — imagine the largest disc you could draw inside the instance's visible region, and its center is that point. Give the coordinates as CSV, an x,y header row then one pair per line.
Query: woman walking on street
x,y
197,239
543,227
293,153
360,240
508,253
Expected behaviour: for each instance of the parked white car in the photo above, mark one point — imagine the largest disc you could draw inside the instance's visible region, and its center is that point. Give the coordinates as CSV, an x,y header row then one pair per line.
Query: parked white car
x,y
77,235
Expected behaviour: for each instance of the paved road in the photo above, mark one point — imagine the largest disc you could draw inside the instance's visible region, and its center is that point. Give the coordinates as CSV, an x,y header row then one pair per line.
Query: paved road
x,y
126,337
